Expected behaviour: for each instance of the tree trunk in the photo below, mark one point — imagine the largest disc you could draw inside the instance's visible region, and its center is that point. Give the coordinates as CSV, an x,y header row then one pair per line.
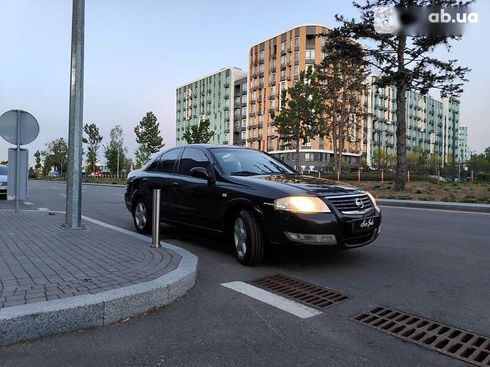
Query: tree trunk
x,y
297,155
401,128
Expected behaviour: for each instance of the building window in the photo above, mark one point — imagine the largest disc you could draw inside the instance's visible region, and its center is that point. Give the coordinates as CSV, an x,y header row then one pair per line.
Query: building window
x,y
296,55
310,54
296,41
283,46
296,70
261,55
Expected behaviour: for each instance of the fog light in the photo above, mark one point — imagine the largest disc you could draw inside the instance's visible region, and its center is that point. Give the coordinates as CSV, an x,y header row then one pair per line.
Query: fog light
x,y
311,239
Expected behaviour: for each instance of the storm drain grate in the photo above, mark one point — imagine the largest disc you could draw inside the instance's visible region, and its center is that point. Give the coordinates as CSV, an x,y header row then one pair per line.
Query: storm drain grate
x,y
303,292
464,345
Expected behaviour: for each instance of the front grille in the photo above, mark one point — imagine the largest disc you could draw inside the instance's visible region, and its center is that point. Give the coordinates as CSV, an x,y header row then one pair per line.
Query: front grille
x,y
457,343
349,203
309,294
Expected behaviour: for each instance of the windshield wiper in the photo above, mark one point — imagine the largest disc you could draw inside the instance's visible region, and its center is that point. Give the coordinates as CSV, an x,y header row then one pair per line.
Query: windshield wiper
x,y
244,173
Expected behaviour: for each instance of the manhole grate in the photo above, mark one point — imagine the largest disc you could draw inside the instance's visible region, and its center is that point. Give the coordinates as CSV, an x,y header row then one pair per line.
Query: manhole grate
x,y
303,292
464,345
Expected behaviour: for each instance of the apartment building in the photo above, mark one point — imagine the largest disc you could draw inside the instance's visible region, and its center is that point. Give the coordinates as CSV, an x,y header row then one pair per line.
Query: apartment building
x,y
240,112
463,152
211,97
432,124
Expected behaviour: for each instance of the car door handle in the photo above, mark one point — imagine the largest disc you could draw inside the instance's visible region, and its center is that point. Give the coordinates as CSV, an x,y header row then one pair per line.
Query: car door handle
x,y
175,184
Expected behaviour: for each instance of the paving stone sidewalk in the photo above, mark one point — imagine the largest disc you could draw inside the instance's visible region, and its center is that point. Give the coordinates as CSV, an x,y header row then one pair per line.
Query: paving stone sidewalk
x,y
40,261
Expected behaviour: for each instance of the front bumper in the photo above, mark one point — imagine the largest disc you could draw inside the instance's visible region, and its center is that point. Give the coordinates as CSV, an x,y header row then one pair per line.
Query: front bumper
x,y
323,229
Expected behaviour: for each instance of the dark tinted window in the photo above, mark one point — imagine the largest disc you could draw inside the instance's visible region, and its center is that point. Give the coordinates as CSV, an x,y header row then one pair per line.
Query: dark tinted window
x,y
247,162
3,170
166,162
153,166
191,158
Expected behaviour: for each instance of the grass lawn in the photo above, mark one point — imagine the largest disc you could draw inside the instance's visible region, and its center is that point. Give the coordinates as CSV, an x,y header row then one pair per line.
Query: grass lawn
x,y
464,192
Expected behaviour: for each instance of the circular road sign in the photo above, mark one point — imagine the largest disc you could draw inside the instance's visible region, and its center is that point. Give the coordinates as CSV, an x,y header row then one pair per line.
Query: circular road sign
x,y
29,128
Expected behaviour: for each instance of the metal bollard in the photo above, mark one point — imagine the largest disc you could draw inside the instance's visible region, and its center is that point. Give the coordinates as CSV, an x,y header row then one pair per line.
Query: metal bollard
x,y
155,225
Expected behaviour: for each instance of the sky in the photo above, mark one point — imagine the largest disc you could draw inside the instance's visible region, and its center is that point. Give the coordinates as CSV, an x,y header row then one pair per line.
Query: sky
x,y
138,52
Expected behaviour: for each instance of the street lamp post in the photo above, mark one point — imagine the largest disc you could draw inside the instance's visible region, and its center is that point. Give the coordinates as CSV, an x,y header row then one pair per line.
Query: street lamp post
x,y
73,217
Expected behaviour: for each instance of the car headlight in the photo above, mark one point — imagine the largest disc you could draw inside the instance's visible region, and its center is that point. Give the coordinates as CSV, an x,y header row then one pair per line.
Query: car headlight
x,y
373,200
301,204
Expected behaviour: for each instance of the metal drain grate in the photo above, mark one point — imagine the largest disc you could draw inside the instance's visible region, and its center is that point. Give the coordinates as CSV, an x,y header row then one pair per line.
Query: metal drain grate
x,y
464,345
303,292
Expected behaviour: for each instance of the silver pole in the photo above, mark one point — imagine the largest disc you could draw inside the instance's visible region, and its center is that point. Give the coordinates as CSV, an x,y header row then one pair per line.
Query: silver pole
x,y
17,163
73,218
155,225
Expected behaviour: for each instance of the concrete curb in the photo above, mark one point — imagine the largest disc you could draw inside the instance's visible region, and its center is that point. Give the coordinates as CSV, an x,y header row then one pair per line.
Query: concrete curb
x,y
84,183
32,321
442,205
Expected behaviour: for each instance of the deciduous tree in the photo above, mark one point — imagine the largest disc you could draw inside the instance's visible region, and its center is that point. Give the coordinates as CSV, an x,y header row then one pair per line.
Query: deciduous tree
x,y
198,134
115,152
302,114
93,141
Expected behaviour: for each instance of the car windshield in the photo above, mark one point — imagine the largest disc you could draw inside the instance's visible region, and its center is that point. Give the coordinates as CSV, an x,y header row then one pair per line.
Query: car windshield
x,y
3,171
245,162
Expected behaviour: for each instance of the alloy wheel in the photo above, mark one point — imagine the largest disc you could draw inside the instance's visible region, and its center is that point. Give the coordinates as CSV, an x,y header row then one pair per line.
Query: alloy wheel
x,y
140,215
240,237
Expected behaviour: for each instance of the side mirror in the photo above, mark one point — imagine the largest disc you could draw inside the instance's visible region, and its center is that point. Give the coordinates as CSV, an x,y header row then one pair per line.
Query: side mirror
x,y
200,172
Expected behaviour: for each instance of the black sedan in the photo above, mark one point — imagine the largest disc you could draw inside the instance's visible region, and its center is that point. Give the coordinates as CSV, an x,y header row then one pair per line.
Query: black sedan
x,y
253,197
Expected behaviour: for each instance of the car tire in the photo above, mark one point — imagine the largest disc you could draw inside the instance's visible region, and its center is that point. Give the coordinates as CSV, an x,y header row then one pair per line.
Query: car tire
x,y
248,239
141,216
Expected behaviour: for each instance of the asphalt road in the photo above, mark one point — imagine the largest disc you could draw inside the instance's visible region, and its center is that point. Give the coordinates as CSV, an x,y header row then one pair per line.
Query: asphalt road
x,y
435,264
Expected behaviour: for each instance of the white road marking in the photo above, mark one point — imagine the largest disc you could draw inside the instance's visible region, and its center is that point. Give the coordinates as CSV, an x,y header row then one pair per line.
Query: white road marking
x,y
63,195
272,299
28,203
43,209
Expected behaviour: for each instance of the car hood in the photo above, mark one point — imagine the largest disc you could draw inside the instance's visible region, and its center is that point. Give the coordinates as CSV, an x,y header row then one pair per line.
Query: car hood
x,y
296,184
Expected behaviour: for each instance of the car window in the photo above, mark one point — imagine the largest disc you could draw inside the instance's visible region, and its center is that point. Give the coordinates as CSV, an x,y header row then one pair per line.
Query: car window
x,y
247,162
153,166
3,170
166,162
191,158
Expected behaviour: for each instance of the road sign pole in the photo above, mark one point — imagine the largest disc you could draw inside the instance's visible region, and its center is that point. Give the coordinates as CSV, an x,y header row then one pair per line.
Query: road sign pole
x,y
73,217
17,162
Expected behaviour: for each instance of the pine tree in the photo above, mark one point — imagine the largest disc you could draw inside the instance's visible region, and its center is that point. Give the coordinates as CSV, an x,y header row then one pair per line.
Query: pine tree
x,y
302,114
341,76
407,62
148,137
198,134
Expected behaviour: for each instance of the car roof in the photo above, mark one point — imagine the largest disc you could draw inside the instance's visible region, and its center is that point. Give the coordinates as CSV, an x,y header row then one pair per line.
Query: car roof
x,y
211,146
